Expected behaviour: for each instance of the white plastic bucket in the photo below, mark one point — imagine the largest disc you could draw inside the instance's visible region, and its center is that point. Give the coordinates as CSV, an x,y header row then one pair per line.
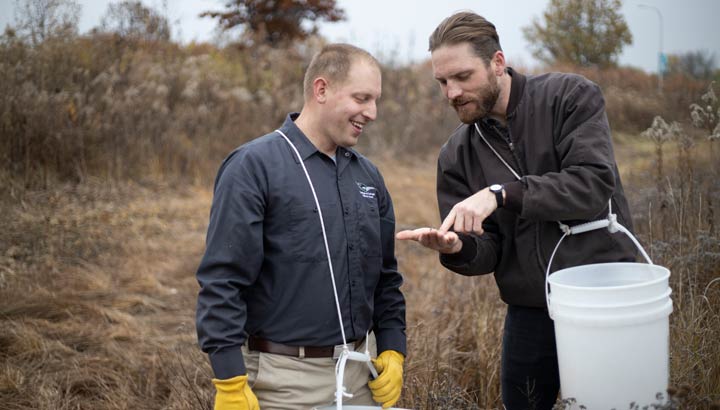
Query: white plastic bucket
x,y
612,333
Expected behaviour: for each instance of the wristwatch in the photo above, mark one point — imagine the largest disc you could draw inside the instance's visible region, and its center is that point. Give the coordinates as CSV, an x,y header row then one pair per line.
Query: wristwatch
x,y
498,189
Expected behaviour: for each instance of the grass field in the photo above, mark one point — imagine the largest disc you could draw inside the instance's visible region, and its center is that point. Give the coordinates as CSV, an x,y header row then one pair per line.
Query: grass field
x,y
97,294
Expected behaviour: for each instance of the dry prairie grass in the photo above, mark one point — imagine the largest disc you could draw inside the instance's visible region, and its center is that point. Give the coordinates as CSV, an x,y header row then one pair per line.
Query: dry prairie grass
x,y
98,293
454,322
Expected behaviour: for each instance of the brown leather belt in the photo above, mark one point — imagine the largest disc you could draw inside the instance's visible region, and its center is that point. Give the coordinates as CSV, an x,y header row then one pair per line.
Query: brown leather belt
x,y
266,346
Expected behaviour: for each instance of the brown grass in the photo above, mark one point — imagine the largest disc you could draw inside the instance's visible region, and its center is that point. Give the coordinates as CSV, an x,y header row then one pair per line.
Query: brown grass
x,y
98,310
98,296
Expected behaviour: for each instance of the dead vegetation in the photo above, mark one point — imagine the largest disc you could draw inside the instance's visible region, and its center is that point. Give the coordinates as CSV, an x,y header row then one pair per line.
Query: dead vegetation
x,y
107,154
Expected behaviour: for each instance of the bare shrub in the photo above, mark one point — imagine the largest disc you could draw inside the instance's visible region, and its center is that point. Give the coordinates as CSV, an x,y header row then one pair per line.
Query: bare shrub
x,y
677,220
108,107
632,100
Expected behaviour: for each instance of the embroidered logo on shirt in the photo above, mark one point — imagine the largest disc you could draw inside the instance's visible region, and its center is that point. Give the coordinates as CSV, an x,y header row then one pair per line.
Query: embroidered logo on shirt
x,y
366,191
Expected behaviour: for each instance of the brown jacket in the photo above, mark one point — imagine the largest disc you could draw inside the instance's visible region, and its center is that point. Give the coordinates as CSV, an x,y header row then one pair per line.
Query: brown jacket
x,y
559,143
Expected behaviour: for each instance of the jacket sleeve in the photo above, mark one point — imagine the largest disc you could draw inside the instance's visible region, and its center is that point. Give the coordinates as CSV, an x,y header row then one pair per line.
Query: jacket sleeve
x,y
479,254
586,178
231,263
389,310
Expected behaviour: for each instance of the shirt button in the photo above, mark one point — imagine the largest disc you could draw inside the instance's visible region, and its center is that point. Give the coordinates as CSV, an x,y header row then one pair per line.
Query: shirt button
x,y
347,155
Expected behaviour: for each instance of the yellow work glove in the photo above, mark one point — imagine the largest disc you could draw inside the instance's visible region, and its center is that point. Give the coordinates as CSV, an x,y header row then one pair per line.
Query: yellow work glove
x,y
234,394
386,388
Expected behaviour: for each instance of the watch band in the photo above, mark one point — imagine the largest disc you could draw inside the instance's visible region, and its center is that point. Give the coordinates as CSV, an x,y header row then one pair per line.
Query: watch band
x,y
498,189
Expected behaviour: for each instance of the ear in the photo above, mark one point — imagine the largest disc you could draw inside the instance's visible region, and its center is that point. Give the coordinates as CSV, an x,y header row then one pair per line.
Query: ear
x,y
320,90
498,63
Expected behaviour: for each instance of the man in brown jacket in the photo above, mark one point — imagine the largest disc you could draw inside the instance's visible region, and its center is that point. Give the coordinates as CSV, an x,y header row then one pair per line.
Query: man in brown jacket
x,y
533,152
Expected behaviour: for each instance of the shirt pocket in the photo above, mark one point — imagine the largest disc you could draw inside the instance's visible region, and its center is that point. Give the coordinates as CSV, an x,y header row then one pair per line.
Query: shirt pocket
x,y
369,228
306,237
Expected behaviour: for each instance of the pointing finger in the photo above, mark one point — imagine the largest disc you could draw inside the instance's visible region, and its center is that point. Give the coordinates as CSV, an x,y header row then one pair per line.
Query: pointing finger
x,y
448,222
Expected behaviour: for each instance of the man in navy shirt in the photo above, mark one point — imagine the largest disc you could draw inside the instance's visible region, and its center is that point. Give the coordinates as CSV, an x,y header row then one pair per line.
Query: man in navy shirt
x,y
267,313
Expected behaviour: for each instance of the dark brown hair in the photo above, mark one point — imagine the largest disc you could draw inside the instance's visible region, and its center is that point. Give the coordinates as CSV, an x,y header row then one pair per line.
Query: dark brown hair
x,y
467,27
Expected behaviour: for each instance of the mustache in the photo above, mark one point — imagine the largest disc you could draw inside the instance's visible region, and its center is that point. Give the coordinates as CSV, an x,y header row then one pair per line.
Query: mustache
x,y
460,101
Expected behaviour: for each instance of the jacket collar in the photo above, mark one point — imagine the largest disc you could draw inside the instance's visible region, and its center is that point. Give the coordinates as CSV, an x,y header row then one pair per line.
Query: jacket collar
x,y
517,87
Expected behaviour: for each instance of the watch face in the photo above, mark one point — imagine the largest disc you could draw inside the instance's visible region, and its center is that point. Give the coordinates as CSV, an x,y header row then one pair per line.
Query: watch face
x,y
495,187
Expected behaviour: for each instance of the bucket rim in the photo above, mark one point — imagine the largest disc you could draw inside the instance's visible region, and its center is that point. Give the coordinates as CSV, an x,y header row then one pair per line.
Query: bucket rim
x,y
610,320
657,298
665,276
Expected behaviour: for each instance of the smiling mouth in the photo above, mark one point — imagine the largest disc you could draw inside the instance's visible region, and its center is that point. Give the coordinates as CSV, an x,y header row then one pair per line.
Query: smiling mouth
x,y
358,126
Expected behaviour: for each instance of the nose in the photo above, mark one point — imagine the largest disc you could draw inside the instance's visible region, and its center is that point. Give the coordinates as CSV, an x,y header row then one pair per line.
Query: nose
x,y
370,111
452,91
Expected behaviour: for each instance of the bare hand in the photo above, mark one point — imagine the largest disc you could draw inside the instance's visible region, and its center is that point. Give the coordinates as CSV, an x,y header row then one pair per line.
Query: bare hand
x,y
447,242
467,216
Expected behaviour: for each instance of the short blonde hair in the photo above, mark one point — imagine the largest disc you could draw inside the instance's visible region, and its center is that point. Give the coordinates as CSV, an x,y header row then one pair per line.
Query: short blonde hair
x,y
334,62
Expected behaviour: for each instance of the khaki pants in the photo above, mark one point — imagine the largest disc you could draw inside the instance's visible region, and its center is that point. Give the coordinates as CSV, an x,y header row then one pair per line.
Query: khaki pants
x,y
284,382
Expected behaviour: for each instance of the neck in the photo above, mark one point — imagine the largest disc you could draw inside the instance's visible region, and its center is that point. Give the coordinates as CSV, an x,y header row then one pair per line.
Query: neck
x,y
499,112
311,126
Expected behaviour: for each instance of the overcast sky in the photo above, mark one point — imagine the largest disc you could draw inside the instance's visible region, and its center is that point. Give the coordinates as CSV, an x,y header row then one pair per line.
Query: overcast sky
x,y
400,28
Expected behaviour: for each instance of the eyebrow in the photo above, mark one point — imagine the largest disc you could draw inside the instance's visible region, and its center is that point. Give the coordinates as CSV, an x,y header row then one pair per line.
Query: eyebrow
x,y
364,94
458,74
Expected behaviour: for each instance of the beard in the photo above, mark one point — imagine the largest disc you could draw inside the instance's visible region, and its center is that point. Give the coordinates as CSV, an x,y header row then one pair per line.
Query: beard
x,y
473,108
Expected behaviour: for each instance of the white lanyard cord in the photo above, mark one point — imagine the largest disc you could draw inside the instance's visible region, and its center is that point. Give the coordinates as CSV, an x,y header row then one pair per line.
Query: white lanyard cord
x,y
322,225
496,153
567,230
346,354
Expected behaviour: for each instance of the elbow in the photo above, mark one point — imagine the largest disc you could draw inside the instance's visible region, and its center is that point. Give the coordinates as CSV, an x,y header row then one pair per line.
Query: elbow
x,y
603,190
589,197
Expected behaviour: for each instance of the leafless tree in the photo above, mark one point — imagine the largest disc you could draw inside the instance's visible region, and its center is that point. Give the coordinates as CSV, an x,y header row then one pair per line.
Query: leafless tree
x,y
39,20
132,19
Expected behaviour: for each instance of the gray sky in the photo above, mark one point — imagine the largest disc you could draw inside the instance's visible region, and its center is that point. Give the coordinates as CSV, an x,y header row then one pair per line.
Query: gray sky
x,y
400,28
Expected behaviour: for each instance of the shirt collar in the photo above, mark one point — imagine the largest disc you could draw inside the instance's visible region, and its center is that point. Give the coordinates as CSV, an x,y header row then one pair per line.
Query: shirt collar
x,y
303,144
297,137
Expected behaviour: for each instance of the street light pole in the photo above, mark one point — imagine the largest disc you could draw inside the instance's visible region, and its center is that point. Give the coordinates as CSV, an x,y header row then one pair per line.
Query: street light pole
x,y
661,56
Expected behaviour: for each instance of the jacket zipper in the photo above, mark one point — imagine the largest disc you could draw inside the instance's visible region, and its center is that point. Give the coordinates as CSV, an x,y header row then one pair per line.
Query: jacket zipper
x,y
511,145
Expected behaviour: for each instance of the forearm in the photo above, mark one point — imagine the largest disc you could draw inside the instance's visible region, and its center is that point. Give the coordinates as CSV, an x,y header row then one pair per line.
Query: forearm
x,y
221,318
227,363
478,256
389,310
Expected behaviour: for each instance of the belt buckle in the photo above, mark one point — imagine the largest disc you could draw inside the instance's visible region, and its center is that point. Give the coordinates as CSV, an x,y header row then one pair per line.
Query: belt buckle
x,y
338,349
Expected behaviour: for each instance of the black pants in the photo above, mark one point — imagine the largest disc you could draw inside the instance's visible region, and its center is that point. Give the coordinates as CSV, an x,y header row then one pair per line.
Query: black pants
x,y
530,377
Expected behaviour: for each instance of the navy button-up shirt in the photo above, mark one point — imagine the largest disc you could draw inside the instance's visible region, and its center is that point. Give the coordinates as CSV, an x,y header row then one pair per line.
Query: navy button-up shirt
x,y
265,271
